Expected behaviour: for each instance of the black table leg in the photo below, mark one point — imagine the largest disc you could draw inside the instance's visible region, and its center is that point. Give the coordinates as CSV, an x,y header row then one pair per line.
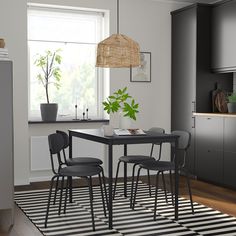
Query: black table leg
x,y
110,170
70,178
125,171
176,180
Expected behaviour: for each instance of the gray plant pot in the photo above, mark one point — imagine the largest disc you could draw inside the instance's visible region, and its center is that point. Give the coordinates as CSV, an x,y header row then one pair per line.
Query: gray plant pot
x,y
231,107
49,111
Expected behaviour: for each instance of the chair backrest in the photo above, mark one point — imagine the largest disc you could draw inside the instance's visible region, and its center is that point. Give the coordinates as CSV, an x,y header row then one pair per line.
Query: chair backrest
x,y
65,138
183,144
66,143
56,145
184,139
157,130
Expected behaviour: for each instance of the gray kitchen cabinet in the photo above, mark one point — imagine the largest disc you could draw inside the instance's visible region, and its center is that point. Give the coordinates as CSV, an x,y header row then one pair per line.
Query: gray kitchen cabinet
x,y
6,145
192,79
216,149
230,151
229,177
209,148
224,36
230,134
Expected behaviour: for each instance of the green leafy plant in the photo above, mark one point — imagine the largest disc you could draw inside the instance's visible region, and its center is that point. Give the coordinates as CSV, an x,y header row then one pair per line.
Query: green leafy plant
x,y
49,63
121,101
232,97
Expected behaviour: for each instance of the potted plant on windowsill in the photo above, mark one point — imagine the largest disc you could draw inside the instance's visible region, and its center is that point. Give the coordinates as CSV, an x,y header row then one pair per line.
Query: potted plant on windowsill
x,y
120,101
231,102
49,64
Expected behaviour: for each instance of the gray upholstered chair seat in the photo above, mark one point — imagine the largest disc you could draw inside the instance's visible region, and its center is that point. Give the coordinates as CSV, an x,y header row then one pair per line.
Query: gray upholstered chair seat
x,y
84,161
80,171
135,158
158,165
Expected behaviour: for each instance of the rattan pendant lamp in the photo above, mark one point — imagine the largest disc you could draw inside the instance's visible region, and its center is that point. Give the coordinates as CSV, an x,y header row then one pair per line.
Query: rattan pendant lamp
x,y
118,50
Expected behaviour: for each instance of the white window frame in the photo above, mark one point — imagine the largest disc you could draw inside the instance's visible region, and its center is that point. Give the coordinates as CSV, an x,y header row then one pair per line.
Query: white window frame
x,y
103,75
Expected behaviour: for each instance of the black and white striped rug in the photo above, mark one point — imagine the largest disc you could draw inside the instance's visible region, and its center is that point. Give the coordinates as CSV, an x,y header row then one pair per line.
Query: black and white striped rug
x,y
138,222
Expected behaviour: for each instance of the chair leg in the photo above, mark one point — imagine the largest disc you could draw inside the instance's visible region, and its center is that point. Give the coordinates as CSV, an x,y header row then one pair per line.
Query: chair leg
x,y
190,192
62,185
49,200
164,185
104,184
132,185
171,188
67,187
70,188
136,187
125,179
103,201
117,171
149,183
91,200
156,195
56,189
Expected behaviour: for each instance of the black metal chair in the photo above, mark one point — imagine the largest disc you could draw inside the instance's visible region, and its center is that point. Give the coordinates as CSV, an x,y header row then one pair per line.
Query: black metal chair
x,y
161,166
77,160
91,161
56,147
138,159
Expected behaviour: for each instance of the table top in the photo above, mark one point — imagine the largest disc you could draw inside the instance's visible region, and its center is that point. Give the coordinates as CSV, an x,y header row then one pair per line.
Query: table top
x,y
97,135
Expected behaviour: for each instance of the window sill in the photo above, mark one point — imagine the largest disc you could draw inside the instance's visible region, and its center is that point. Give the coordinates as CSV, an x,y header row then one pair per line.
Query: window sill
x,y
60,120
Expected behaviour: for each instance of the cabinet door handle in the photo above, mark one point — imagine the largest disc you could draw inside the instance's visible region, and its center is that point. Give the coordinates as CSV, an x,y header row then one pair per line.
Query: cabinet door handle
x,y
193,106
193,122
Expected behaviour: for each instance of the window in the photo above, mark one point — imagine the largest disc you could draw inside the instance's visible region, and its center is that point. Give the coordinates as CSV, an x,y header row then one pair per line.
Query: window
x,y
76,33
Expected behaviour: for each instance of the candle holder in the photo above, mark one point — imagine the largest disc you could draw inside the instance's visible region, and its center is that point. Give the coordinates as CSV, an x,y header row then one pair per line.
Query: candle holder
x,y
76,112
87,117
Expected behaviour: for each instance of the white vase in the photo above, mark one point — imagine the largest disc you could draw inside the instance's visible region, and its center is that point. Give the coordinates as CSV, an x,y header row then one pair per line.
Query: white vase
x,y
124,121
231,107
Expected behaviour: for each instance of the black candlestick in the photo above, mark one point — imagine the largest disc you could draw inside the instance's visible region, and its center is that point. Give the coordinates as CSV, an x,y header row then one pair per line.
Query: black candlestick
x,y
76,111
87,114
76,117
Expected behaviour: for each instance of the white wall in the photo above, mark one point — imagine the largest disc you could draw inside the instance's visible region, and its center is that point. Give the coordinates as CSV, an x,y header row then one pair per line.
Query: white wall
x,y
148,22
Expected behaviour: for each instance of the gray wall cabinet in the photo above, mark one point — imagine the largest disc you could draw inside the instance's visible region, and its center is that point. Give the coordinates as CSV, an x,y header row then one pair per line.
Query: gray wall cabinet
x,y
6,145
224,36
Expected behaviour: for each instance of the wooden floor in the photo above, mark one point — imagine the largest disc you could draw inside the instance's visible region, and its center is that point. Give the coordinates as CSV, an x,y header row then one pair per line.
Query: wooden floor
x,y
219,198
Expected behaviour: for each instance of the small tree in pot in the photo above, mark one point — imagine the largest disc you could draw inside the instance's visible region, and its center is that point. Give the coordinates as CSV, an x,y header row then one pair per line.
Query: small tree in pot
x,y
49,63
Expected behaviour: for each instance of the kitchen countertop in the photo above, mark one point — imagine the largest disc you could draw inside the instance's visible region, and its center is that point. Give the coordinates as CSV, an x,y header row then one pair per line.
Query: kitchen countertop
x,y
215,114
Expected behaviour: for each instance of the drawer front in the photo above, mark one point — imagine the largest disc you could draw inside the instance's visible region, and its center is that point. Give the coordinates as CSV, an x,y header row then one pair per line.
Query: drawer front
x,y
209,133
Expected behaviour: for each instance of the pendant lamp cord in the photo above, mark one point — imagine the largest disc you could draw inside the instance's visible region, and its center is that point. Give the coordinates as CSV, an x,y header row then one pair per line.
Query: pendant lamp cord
x,y
118,17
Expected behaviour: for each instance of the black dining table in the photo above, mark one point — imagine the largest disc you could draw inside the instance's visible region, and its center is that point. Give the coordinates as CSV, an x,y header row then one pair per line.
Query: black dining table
x,y
97,135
